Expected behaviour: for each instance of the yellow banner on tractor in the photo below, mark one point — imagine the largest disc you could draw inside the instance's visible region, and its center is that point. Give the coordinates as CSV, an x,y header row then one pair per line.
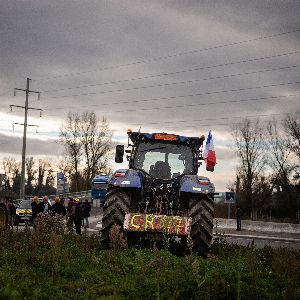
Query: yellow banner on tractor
x,y
171,225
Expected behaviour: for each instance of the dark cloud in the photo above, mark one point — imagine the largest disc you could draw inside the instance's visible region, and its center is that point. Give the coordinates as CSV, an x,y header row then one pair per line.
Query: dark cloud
x,y
67,44
12,145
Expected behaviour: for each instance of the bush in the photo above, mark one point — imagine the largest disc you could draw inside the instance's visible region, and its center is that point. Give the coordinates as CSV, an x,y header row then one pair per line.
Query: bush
x,y
50,222
74,267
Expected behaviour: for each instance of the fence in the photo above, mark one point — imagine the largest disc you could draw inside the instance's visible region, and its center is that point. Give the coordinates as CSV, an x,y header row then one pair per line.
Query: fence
x,y
82,195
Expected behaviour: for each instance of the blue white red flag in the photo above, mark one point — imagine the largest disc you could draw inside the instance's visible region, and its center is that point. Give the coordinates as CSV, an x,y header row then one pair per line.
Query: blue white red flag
x,y
209,154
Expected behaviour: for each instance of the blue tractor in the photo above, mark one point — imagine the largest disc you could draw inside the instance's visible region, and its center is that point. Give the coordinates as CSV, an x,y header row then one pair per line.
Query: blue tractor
x,y
99,187
160,193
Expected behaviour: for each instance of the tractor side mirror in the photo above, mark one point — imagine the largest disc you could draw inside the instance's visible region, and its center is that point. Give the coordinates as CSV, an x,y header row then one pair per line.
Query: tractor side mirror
x,y
119,153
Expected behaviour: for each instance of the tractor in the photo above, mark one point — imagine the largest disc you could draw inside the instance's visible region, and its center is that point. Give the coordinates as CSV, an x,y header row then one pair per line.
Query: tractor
x,y
160,194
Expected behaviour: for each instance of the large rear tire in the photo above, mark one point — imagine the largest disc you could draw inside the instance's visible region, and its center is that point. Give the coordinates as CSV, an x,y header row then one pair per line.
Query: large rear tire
x,y
117,203
201,210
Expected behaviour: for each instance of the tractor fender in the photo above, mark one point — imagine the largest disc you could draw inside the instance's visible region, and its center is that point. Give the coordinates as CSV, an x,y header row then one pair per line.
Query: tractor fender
x,y
129,179
192,184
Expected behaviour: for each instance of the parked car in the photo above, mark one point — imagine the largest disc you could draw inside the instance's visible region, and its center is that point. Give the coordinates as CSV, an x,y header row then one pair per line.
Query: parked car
x,y
99,187
17,202
23,212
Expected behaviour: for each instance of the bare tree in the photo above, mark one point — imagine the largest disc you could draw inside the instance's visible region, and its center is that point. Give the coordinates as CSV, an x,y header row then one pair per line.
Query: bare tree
x,y
292,128
50,177
250,151
96,142
31,172
11,169
278,155
87,142
43,165
70,137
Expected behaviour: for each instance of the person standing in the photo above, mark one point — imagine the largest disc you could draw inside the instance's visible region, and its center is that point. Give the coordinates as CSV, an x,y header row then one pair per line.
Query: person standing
x,y
11,213
58,207
238,214
70,214
45,206
36,209
78,216
86,207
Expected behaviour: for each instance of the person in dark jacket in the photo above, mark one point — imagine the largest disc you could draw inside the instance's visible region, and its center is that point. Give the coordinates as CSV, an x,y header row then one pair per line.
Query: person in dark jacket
x,y
78,216
11,213
86,209
238,214
36,209
70,216
45,206
58,207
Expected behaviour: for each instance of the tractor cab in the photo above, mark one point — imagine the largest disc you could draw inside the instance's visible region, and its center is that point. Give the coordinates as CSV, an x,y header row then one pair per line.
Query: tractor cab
x,y
162,155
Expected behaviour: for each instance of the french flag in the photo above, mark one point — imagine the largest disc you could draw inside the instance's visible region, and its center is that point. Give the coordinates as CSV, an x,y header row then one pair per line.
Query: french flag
x,y
209,154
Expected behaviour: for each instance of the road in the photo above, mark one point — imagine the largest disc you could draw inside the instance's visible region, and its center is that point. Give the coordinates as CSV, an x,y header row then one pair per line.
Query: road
x,y
261,241
244,237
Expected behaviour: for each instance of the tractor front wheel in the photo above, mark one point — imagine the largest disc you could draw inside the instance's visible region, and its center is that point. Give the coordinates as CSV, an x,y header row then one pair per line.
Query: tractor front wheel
x,y
201,210
117,203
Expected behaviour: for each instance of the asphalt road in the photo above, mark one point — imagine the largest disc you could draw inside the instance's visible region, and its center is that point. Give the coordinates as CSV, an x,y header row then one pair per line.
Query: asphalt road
x,y
245,238
261,241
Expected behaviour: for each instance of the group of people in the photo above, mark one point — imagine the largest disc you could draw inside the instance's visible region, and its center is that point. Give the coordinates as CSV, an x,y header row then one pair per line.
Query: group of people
x,y
77,213
42,207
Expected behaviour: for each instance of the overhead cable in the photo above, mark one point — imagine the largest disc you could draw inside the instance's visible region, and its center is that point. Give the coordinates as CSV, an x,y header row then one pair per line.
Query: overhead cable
x,y
191,95
183,105
172,73
169,56
175,83
212,119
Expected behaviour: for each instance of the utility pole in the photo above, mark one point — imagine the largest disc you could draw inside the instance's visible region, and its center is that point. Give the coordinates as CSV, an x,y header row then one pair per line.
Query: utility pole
x,y
26,108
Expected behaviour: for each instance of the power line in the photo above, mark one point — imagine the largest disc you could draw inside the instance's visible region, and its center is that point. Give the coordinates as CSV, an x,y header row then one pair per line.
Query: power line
x,y
210,103
212,125
189,95
169,56
211,119
192,105
176,82
172,73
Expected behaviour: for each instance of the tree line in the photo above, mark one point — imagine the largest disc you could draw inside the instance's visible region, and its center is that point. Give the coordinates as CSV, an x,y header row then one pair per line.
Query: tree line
x,y
87,142
268,172
40,177
267,175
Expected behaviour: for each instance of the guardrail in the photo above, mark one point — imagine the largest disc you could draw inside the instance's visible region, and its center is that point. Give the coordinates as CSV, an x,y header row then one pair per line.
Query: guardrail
x,y
81,195
258,226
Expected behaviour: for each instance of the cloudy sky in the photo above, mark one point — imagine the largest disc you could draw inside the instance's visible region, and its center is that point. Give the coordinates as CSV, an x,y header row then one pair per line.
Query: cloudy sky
x,y
175,66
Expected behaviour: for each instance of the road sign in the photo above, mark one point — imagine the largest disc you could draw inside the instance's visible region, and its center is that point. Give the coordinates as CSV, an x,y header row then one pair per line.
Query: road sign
x,y
229,197
219,197
67,187
62,184
60,176
60,188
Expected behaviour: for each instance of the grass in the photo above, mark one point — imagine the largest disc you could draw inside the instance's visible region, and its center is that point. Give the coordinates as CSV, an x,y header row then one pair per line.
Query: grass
x,y
51,266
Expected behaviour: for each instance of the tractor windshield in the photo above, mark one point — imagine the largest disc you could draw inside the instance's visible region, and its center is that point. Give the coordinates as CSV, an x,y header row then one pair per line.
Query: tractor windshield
x,y
164,160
